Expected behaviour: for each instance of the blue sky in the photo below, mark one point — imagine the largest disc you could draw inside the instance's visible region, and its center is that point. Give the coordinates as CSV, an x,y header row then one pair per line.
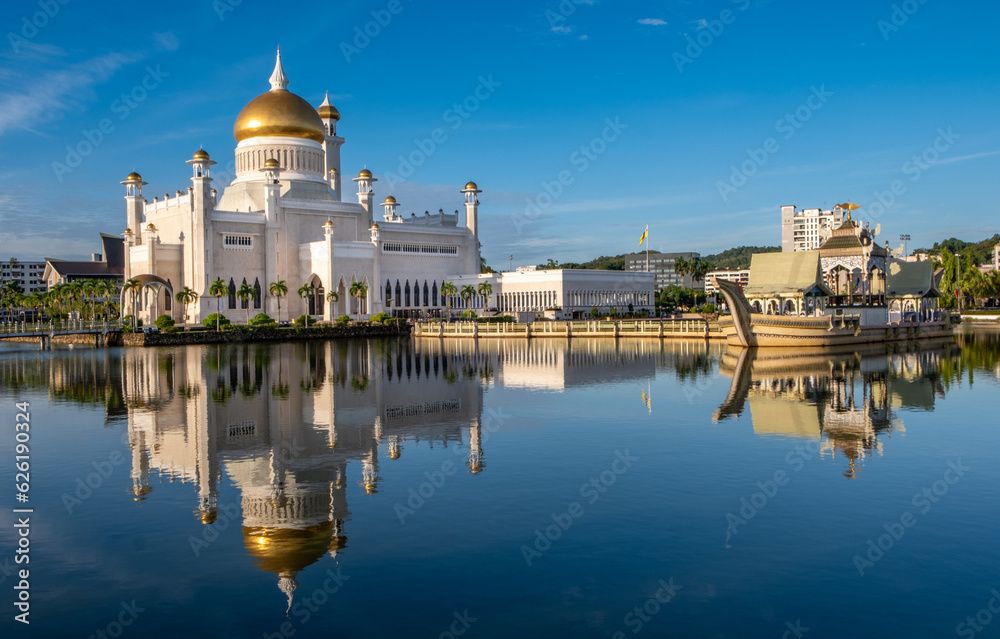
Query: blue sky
x,y
584,120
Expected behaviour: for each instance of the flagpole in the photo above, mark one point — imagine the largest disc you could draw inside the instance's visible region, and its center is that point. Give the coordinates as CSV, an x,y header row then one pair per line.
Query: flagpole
x,y
647,248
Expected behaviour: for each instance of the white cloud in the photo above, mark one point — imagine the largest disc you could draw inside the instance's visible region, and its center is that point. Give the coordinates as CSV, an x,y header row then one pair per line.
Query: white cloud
x,y
46,97
656,22
561,29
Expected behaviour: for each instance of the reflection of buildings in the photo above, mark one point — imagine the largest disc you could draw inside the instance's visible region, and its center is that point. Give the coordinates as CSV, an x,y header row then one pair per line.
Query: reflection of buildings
x,y
285,422
842,398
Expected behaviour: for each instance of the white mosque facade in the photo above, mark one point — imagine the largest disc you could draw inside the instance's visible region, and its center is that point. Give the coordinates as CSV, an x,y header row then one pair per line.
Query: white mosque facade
x,y
286,217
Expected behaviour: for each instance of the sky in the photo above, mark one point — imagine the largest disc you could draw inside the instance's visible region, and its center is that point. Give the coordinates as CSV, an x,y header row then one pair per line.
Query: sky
x,y
582,121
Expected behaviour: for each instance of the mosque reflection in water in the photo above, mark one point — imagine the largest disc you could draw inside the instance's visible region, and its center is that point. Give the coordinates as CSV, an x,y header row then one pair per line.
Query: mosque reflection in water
x,y
844,399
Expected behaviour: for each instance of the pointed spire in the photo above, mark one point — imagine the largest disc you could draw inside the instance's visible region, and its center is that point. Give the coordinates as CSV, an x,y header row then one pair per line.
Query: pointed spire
x,y
326,100
279,81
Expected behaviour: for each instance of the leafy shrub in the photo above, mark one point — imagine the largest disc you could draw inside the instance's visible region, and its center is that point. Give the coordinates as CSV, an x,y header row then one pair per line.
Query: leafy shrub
x,y
707,308
468,315
342,321
163,322
303,320
209,322
380,318
595,313
261,319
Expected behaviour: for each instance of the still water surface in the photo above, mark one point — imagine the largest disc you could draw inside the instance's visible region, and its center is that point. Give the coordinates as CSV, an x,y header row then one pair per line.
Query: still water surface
x,y
545,489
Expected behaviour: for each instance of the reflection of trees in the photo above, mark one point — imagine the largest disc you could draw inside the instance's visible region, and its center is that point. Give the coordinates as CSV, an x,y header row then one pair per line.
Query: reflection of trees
x,y
79,376
980,351
692,366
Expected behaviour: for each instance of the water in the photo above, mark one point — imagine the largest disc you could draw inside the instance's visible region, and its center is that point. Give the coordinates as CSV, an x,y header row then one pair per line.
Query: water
x,y
542,489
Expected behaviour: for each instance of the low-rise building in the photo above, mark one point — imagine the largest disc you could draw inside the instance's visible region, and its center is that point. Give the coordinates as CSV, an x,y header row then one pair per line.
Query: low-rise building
x,y
663,266
741,277
27,275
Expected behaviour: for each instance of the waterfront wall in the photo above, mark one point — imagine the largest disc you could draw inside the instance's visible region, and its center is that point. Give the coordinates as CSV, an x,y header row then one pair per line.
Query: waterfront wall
x,y
264,334
699,328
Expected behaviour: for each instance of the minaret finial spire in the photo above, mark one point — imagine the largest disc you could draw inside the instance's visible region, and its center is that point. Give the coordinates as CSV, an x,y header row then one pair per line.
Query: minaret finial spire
x,y
279,81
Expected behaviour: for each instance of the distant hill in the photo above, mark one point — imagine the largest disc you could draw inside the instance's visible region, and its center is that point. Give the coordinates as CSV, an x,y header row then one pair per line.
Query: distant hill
x,y
980,252
738,258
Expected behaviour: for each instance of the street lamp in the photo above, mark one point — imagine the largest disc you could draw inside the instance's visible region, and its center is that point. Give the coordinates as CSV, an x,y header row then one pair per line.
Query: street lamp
x,y
905,237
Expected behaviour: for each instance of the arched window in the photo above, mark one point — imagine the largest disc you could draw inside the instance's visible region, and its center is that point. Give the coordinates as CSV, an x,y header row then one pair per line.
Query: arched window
x,y
426,299
434,294
416,293
169,300
232,293
388,292
256,293
399,294
406,293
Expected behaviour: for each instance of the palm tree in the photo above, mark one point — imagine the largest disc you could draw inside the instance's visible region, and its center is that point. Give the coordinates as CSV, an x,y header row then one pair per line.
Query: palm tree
x,y
244,293
217,289
279,289
358,290
333,297
468,292
132,286
185,297
485,289
110,291
448,290
307,291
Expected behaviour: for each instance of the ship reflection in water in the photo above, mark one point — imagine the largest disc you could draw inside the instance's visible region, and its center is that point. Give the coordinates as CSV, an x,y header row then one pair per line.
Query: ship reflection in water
x,y
842,398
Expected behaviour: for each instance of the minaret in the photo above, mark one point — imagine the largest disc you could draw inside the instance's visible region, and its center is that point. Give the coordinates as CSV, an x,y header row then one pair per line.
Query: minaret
x,y
272,216
331,145
133,203
198,258
472,208
128,243
377,304
390,205
328,237
366,197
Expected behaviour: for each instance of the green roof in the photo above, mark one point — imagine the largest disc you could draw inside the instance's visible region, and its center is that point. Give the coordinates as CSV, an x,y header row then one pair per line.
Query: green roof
x,y
786,273
842,242
911,279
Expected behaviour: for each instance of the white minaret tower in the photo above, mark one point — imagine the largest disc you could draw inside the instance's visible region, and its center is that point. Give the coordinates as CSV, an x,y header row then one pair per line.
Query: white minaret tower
x,y
366,196
390,205
376,303
196,272
134,204
272,222
472,208
331,145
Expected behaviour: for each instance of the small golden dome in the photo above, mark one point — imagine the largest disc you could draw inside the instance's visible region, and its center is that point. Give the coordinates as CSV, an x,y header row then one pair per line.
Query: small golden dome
x,y
133,177
375,226
328,112
328,223
128,231
209,517
394,453
471,186
271,163
371,489
200,154
389,200
365,173
150,227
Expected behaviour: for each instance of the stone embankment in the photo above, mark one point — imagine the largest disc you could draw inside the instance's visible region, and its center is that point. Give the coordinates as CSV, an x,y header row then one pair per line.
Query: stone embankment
x,y
263,334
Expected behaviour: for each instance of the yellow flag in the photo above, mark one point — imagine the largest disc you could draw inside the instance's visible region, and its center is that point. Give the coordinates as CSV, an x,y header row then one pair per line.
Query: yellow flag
x,y
644,234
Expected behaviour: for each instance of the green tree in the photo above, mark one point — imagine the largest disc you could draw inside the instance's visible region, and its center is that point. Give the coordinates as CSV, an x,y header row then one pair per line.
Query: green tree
x,y
185,297
485,289
359,291
132,287
307,291
279,289
217,289
468,292
244,294
448,291
333,297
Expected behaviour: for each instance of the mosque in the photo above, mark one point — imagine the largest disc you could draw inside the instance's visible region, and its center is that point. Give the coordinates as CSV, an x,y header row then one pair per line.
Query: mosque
x,y
285,217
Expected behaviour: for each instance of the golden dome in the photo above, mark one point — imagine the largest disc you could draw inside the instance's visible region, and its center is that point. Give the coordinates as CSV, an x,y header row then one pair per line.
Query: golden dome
x,y
200,154
209,517
128,231
328,223
271,163
394,453
327,111
278,112
471,186
133,177
375,225
389,200
150,227
365,173
287,550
